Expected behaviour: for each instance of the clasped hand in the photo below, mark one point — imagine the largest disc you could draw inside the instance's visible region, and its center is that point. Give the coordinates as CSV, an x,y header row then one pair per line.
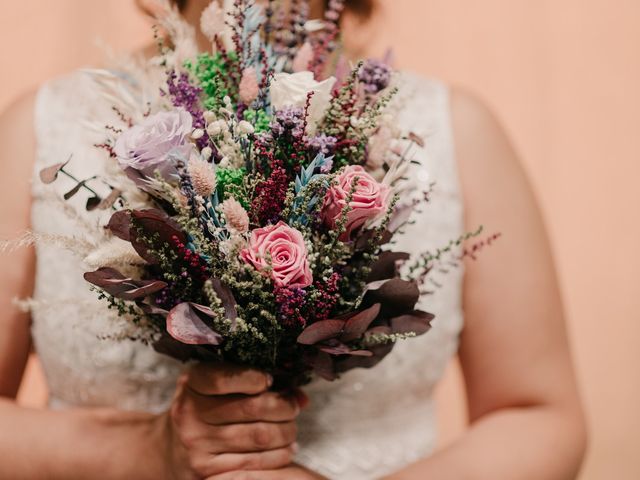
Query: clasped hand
x,y
224,423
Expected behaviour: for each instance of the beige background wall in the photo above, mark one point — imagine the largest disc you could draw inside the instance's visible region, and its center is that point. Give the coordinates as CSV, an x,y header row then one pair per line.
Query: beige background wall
x,y
564,76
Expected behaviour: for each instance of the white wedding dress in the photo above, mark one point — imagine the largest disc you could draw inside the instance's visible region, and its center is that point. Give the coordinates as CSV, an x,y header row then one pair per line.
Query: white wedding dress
x,y
363,426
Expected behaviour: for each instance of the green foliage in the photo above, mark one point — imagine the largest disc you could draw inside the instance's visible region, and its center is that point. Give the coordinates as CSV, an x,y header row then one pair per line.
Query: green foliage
x,y
230,183
211,72
259,119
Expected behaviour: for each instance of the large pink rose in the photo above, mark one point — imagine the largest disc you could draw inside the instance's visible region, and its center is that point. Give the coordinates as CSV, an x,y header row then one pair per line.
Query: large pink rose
x,y
370,200
281,248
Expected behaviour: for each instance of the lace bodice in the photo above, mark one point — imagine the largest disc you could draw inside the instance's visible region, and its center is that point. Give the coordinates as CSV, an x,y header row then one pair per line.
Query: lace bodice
x,y
363,426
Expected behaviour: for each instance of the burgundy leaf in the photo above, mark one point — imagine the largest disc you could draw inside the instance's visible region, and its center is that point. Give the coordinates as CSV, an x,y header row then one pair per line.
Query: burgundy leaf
x,y
417,322
143,289
363,239
92,203
120,224
185,325
116,284
49,174
167,345
323,366
417,139
386,265
74,190
204,310
153,223
396,295
355,327
377,354
336,347
225,295
321,331
110,199
152,309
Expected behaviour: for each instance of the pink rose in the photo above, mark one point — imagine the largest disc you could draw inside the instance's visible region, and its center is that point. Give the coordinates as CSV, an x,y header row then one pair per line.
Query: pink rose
x,y
282,249
369,200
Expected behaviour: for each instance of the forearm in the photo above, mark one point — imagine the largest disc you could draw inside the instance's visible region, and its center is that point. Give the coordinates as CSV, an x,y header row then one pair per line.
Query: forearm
x,y
77,444
533,443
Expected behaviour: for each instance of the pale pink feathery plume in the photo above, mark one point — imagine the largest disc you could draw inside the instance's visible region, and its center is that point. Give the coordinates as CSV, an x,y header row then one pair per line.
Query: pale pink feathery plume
x,y
235,215
212,20
202,176
303,58
249,88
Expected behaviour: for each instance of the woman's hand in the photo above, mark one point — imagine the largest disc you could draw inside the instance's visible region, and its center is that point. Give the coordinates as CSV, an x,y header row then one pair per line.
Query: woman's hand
x,y
224,420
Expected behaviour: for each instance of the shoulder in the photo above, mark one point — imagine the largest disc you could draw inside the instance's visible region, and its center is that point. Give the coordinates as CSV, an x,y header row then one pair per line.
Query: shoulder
x,y
19,112
493,180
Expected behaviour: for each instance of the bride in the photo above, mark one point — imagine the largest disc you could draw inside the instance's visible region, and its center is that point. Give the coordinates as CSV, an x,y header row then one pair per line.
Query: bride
x,y
118,410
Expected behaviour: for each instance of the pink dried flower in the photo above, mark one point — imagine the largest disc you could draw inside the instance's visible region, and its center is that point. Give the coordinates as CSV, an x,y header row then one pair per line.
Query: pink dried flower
x,y
249,88
202,176
212,21
303,58
235,215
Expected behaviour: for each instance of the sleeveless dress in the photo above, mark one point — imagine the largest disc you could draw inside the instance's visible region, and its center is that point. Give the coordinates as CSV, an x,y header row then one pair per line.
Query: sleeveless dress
x,y
365,425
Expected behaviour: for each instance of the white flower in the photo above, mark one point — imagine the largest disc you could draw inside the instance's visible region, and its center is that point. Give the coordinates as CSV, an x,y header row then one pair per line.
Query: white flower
x,y
315,25
245,128
209,116
291,89
207,153
215,128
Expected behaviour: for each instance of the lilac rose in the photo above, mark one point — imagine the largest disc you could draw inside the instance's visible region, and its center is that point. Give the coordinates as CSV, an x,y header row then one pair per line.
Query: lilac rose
x,y
149,146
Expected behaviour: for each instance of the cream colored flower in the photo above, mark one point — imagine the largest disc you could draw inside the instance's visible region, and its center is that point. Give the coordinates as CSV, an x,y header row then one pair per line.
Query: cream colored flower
x,y
235,215
202,176
212,22
291,90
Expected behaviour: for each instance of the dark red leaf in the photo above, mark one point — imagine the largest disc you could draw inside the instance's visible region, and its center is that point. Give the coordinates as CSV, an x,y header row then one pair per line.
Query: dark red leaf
x,y
110,199
417,139
153,223
323,366
386,266
378,353
116,284
185,325
49,174
74,190
152,309
225,295
396,295
355,327
167,345
417,322
337,349
363,239
120,224
321,331
92,203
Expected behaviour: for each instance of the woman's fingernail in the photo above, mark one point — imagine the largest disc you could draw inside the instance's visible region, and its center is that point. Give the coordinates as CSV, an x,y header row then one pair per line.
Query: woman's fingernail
x,y
269,380
295,447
